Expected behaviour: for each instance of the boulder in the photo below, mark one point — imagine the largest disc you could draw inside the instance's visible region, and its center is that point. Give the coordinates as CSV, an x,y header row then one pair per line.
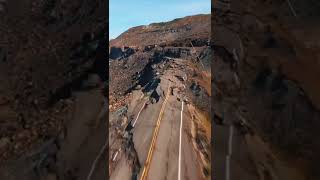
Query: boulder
x,y
153,100
128,51
138,87
115,53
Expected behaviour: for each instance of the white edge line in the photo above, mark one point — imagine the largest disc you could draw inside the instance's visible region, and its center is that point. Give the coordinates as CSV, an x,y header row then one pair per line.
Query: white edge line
x,y
179,168
228,157
230,141
96,160
227,167
115,156
292,9
135,121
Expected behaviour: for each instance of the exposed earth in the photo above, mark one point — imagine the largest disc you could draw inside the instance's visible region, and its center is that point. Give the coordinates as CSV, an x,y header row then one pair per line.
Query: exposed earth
x,y
160,88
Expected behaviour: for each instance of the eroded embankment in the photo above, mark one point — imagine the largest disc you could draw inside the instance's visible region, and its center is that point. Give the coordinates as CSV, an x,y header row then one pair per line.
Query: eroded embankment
x,y
188,81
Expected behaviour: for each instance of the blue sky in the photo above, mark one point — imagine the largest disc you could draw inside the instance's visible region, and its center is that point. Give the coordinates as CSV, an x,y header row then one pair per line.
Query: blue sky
x,y
124,14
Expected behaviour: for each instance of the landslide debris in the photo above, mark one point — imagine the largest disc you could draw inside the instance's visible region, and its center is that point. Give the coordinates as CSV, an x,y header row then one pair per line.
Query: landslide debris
x,y
139,60
137,55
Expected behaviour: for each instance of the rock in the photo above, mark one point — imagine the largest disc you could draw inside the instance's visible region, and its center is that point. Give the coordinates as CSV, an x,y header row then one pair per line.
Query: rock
x,y
149,48
153,100
115,53
138,87
159,91
175,92
124,121
128,51
196,89
149,93
126,135
153,66
186,100
4,142
182,77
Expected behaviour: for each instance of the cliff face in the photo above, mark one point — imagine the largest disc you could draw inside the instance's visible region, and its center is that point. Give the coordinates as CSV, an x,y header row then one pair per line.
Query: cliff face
x,y
273,49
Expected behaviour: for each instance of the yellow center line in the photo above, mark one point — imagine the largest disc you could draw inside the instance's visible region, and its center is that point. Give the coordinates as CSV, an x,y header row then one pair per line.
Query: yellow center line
x,y
155,134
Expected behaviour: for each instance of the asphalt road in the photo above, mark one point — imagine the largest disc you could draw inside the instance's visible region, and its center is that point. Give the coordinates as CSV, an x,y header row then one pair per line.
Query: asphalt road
x,y
165,159
161,136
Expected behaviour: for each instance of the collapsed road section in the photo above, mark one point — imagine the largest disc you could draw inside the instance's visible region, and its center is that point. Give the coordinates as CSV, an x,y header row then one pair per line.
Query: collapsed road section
x,y
159,118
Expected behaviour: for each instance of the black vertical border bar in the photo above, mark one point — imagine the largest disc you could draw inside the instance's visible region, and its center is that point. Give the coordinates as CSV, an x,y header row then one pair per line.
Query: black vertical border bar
x,y
106,49
101,67
212,93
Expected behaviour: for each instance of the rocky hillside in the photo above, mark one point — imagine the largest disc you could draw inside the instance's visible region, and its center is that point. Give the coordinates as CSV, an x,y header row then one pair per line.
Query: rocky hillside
x,y
193,28
133,54
157,68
